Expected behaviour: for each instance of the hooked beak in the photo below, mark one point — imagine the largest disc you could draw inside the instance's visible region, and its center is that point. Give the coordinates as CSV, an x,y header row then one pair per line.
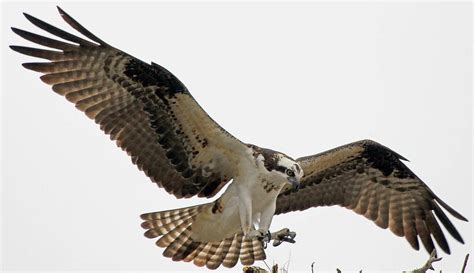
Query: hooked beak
x,y
295,184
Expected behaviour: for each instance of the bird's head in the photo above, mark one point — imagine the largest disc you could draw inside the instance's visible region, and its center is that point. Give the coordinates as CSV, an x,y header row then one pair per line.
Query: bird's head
x,y
280,166
289,169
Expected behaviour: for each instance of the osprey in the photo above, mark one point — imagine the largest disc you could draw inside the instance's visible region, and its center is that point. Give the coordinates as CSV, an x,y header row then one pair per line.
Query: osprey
x,y
152,116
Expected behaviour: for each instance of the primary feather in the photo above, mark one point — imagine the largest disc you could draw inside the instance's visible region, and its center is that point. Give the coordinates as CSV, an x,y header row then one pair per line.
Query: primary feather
x,y
143,107
372,180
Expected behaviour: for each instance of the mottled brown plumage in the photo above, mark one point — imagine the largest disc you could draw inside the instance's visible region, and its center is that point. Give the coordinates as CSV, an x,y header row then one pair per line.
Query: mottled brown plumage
x,y
143,107
371,180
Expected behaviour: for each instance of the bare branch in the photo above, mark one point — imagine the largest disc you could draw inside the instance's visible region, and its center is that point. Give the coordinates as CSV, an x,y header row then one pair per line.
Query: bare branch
x,y
428,265
465,263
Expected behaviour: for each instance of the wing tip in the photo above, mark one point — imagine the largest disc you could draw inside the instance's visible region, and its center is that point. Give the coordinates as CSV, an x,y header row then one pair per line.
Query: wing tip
x,y
15,48
60,10
16,30
28,66
461,217
447,249
29,17
76,25
32,66
452,211
22,33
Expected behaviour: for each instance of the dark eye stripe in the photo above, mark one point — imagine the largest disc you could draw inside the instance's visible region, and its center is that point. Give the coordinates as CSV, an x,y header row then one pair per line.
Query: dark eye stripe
x,y
281,169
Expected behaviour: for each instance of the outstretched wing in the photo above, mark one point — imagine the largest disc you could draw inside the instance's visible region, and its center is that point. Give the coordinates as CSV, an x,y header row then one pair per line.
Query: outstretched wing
x,y
144,108
371,180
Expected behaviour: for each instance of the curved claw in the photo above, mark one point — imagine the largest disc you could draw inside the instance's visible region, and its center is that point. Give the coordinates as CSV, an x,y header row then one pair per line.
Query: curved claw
x,y
267,239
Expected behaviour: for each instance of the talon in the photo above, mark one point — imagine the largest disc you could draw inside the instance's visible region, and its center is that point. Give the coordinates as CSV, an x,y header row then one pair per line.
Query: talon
x,y
268,237
284,235
260,235
254,234
265,238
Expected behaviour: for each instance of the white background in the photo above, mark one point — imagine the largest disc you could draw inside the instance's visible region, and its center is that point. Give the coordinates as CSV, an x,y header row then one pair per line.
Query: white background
x,y
296,77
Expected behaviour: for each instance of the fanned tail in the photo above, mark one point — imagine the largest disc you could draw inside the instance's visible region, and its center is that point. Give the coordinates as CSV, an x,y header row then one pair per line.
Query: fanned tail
x,y
174,230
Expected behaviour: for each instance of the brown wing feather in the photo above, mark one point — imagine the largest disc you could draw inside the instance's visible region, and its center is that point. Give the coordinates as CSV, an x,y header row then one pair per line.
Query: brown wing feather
x,y
371,180
144,108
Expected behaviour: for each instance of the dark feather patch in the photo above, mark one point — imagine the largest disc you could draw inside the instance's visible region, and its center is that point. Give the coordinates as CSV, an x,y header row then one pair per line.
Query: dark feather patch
x,y
371,180
154,75
385,160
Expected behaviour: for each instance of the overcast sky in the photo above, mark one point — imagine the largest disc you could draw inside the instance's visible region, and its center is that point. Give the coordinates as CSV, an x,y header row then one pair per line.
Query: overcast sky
x,y
299,78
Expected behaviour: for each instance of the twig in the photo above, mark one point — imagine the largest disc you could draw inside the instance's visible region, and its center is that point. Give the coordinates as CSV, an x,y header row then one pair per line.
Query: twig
x,y
428,264
288,264
465,263
269,270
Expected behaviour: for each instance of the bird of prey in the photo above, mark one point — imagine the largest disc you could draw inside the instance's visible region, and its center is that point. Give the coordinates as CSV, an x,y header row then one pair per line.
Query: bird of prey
x,y
152,116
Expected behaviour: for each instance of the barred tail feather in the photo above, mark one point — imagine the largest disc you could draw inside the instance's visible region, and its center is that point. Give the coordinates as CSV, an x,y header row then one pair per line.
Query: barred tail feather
x,y
174,214
246,252
174,230
258,252
174,235
201,257
232,256
194,253
217,258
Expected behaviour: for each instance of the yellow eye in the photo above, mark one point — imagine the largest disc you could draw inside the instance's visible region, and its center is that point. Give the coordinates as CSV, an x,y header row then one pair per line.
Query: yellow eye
x,y
289,172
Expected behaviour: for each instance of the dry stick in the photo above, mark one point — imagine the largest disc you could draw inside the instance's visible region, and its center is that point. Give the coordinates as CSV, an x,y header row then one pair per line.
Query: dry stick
x,y
267,265
465,263
288,264
428,264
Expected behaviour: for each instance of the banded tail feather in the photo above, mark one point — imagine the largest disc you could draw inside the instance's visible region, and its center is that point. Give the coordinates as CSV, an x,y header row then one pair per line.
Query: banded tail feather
x,y
173,228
